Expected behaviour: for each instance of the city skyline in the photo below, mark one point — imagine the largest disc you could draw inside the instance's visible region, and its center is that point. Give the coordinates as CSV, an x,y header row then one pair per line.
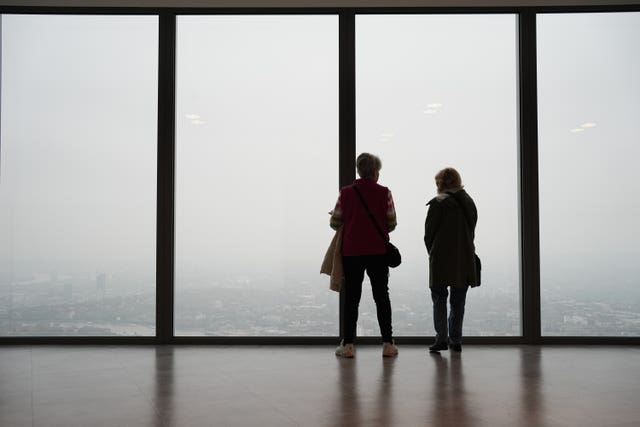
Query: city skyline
x,y
256,166
64,305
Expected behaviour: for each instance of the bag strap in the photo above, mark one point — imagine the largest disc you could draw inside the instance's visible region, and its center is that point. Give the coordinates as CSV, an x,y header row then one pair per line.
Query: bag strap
x,y
466,217
373,219
464,211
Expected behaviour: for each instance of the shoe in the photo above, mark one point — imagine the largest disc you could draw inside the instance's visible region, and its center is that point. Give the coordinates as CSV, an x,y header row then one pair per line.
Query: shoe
x,y
456,347
439,346
389,349
345,350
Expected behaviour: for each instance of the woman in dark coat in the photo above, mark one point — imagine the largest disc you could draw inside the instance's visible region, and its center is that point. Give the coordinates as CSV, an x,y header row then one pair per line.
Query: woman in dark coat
x,y
449,233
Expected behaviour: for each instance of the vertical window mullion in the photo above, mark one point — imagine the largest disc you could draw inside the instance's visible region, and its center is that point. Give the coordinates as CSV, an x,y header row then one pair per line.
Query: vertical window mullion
x,y
165,244
529,200
347,107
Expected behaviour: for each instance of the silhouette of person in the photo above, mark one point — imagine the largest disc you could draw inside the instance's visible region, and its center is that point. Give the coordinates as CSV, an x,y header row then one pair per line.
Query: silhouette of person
x,y
449,238
363,250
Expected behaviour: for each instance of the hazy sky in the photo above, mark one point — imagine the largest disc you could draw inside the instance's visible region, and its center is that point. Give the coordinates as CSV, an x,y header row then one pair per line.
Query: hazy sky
x,y
257,170
79,111
446,98
589,103
257,140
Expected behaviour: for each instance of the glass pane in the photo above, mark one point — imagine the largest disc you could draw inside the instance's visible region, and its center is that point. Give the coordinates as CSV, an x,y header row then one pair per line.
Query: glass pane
x,y
78,175
589,104
437,91
256,172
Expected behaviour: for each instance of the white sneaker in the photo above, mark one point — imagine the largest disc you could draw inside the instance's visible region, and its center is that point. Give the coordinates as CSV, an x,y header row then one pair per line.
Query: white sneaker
x,y
345,350
389,349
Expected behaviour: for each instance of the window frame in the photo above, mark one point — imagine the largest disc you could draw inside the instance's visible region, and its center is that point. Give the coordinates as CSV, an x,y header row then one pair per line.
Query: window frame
x,y
529,243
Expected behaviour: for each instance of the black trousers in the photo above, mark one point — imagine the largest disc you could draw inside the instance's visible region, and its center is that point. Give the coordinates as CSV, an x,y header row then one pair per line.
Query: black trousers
x,y
378,272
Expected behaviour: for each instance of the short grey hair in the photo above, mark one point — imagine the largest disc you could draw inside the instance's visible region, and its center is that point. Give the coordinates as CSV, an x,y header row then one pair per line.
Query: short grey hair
x,y
367,165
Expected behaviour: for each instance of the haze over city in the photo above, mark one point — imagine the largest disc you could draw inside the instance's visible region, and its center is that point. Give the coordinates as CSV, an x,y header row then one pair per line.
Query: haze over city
x,y
257,169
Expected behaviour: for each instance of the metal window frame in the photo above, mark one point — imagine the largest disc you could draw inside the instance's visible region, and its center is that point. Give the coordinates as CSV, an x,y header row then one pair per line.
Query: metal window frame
x,y
528,177
165,234
165,239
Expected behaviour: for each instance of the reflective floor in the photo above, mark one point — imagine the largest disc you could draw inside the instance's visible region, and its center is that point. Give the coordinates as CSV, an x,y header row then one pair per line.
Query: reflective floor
x,y
308,386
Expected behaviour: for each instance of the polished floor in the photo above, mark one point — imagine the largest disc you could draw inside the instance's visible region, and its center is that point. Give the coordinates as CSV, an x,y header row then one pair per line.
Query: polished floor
x,y
308,386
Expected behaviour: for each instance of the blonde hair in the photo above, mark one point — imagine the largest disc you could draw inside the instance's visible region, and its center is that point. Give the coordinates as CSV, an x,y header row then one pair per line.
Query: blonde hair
x,y
368,165
448,179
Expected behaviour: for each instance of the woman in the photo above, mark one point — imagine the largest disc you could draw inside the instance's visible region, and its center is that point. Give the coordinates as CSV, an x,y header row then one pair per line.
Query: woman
x,y
363,249
449,233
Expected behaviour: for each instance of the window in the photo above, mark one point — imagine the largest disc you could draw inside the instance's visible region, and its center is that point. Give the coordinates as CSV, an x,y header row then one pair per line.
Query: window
x,y
257,169
256,174
589,103
78,175
436,91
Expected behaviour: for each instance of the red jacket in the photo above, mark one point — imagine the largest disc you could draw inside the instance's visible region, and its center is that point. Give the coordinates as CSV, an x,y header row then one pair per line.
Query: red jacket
x,y
360,236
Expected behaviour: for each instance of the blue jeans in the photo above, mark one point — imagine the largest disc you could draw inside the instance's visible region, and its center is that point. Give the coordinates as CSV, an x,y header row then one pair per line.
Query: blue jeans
x,y
451,331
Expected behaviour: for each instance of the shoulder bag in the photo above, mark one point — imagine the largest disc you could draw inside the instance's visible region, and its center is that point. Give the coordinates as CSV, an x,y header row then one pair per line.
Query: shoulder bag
x,y
466,216
392,254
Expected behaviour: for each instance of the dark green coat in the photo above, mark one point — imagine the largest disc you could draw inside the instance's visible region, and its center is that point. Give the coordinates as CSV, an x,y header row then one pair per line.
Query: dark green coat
x,y
448,236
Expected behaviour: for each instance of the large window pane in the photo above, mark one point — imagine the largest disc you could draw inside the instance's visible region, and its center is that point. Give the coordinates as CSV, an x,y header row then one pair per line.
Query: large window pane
x,y
256,174
78,175
589,104
438,91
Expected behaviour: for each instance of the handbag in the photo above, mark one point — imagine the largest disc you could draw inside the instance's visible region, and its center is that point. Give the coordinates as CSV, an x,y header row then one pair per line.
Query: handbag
x,y
478,267
476,258
392,254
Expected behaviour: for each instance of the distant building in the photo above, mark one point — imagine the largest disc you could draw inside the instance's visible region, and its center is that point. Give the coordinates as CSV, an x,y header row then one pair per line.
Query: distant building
x,y
101,282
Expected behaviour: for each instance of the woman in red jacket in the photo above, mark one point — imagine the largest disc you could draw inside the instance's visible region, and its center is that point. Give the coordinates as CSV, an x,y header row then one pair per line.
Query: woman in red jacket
x,y
363,249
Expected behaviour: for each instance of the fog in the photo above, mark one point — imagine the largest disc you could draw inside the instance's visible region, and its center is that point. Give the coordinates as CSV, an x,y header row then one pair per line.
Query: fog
x,y
589,100
257,151
256,172
79,112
